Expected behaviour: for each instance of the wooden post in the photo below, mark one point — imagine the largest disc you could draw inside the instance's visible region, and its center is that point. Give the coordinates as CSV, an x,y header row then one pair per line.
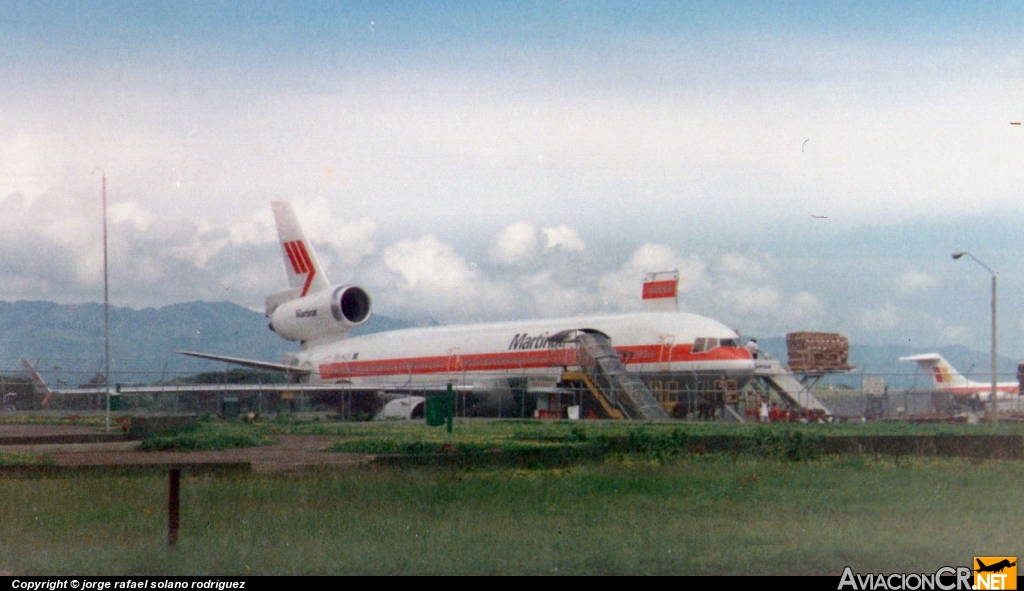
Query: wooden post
x,y
173,503
449,403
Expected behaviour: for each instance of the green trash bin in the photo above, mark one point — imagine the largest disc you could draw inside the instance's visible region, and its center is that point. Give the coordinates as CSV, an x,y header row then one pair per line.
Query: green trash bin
x,y
115,398
436,411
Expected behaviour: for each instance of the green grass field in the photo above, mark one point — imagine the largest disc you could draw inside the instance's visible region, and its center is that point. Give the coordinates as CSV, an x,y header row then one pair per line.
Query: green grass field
x,y
693,515
646,508
476,435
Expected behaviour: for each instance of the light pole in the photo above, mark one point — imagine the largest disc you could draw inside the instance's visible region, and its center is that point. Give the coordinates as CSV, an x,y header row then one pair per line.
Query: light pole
x,y
106,303
957,256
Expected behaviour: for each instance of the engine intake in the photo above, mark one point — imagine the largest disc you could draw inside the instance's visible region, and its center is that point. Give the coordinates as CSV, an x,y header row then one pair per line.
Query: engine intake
x,y
353,305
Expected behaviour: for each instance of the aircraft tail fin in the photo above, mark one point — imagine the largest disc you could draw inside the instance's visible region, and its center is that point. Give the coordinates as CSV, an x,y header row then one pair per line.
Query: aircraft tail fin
x,y
944,376
305,274
37,381
300,262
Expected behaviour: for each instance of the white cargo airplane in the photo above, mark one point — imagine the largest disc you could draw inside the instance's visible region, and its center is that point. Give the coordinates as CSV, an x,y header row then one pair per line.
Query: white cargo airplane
x,y
673,352
947,379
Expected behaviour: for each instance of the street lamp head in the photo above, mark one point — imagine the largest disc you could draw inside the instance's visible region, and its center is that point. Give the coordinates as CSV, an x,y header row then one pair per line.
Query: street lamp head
x,y
995,370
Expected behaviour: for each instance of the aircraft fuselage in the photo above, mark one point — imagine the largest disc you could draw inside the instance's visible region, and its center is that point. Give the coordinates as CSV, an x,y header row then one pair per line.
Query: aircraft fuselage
x,y
689,345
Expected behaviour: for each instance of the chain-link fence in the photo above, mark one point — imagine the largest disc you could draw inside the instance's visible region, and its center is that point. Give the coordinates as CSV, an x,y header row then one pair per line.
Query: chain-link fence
x,y
237,392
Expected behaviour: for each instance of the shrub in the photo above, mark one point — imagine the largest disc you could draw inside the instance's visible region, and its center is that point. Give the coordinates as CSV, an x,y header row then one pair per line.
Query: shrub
x,y
207,436
791,446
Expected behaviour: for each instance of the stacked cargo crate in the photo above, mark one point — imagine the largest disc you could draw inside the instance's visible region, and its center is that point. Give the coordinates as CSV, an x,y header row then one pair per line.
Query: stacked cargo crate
x,y
818,352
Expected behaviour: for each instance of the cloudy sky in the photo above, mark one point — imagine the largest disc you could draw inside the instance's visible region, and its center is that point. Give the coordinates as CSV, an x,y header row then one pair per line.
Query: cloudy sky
x,y
805,165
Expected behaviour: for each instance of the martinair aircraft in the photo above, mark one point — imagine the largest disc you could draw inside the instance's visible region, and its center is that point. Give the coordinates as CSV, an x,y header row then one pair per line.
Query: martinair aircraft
x,y
674,353
947,379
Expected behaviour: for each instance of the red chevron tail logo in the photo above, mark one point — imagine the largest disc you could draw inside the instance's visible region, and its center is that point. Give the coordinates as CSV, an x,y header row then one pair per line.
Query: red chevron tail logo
x,y
301,262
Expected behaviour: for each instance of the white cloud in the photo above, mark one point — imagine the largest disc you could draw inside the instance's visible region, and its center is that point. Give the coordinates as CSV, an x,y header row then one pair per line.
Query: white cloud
x,y
256,228
549,298
352,239
199,245
656,147
63,249
803,311
429,264
29,164
880,319
130,212
750,300
621,288
742,268
743,290
955,333
947,332
430,277
562,238
914,283
516,244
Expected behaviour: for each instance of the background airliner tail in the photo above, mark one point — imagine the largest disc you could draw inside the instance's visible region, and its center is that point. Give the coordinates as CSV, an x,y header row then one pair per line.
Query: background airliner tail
x,y
37,381
944,376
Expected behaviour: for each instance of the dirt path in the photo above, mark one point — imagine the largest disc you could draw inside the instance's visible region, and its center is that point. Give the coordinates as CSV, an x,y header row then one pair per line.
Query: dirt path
x,y
292,453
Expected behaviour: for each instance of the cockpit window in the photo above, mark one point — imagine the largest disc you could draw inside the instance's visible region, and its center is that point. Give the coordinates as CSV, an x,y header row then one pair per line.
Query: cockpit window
x,y
704,344
729,343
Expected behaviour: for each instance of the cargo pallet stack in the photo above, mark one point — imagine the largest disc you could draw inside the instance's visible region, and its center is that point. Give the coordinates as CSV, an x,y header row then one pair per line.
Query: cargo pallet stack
x,y
818,352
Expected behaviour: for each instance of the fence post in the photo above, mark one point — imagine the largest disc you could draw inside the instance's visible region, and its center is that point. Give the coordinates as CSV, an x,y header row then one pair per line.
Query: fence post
x,y
173,504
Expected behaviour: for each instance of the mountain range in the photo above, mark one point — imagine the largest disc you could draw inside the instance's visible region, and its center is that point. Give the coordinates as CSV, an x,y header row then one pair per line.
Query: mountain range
x,y
66,343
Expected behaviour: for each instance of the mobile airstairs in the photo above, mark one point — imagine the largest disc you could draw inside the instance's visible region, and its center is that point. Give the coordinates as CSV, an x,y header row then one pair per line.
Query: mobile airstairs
x,y
796,393
621,394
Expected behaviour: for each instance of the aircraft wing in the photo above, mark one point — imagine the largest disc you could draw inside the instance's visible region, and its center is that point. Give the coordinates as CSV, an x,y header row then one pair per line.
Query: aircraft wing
x,y
397,388
288,369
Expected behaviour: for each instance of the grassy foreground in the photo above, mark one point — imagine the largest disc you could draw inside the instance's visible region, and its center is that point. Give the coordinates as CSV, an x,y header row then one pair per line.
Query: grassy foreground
x,y
402,437
688,515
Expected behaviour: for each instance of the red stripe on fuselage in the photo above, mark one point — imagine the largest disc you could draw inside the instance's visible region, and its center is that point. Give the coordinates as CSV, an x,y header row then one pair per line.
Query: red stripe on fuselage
x,y
512,360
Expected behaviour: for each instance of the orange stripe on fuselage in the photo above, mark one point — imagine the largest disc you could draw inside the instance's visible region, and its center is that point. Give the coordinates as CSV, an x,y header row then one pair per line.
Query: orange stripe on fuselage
x,y
512,360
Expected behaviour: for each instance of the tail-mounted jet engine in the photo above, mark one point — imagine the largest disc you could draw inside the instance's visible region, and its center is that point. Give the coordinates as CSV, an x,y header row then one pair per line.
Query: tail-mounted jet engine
x,y
329,311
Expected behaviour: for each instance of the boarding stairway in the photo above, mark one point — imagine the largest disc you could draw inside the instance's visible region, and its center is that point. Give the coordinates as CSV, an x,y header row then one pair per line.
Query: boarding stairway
x,y
620,393
792,390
